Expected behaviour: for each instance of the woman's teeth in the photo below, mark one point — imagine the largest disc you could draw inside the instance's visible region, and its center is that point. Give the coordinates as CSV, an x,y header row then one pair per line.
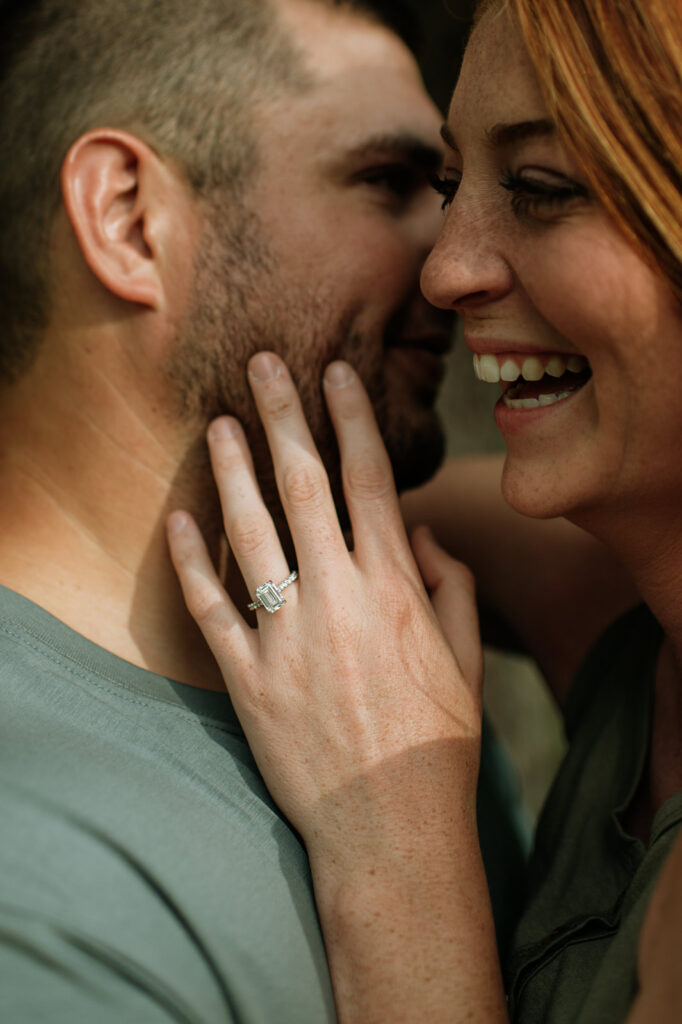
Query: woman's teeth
x,y
493,369
534,381
535,403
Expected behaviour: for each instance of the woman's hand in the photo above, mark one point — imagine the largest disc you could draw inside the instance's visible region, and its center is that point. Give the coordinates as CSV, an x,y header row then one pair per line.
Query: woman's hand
x,y
351,694
363,717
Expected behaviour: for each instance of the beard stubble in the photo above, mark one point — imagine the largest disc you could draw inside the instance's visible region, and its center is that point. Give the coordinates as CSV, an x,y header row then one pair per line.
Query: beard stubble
x,y
238,306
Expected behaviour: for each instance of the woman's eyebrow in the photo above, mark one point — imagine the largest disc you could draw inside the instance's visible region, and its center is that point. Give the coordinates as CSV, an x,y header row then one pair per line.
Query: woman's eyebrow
x,y
505,134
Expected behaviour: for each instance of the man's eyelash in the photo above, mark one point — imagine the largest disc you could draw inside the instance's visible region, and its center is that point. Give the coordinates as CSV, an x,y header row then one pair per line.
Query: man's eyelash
x,y
445,187
530,196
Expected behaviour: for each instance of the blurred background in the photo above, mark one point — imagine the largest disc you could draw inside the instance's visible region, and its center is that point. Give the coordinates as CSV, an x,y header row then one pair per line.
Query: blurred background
x,y
522,714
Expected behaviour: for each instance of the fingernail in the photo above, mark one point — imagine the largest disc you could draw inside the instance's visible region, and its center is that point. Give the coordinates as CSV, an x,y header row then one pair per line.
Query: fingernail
x,y
177,521
338,375
264,366
224,427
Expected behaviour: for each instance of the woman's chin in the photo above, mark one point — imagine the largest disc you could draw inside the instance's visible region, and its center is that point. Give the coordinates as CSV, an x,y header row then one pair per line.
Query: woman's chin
x,y
539,492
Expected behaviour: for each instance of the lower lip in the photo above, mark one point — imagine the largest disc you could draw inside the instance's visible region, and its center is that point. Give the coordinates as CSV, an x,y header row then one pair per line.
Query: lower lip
x,y
514,421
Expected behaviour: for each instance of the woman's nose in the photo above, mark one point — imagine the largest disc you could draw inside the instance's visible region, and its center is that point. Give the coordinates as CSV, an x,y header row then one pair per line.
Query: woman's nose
x,y
466,268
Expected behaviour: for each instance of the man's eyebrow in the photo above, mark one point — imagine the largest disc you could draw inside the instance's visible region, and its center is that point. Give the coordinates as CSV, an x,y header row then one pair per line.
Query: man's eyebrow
x,y
402,146
506,134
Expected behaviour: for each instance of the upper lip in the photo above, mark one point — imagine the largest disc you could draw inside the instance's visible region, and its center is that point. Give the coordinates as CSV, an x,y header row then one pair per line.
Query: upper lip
x,y
501,346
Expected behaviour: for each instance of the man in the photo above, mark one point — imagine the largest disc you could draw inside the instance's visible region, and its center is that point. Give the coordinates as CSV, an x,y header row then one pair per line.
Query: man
x,y
182,185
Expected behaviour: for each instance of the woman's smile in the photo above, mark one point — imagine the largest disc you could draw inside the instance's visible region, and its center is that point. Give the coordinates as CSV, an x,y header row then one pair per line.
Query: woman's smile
x,y
559,309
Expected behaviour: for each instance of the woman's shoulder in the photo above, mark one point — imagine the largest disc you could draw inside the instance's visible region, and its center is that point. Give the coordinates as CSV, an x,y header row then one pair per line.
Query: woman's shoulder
x,y
623,657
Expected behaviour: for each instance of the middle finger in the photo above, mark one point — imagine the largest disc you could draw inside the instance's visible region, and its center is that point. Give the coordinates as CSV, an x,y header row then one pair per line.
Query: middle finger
x,y
301,477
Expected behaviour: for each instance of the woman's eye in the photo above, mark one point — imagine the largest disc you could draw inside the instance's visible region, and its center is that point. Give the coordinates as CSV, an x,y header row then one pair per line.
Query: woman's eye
x,y
541,198
446,187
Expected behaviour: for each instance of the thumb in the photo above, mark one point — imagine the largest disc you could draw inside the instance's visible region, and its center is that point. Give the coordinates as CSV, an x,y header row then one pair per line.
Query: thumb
x,y
452,589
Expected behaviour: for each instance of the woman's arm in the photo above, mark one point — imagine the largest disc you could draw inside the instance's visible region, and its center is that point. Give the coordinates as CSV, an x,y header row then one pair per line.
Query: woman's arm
x,y
363,716
553,586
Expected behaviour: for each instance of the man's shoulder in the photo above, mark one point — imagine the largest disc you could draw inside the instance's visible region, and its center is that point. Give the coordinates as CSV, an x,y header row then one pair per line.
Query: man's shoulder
x,y
140,838
111,749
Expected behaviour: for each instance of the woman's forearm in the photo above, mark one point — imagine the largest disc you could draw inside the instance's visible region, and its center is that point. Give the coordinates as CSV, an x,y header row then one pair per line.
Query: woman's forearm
x,y
413,946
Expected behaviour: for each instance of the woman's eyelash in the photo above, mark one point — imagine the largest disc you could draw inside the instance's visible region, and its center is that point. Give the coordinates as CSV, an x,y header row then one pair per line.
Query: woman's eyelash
x,y
445,187
528,195
532,195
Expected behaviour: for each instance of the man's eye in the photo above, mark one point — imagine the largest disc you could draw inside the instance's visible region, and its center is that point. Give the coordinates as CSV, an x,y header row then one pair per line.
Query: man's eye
x,y
397,179
446,187
541,198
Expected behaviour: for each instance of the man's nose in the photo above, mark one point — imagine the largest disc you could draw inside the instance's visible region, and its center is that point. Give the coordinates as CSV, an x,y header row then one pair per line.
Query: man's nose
x,y
466,268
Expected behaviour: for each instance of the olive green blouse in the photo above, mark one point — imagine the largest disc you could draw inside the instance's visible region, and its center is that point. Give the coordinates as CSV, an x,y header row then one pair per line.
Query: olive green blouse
x,y
574,953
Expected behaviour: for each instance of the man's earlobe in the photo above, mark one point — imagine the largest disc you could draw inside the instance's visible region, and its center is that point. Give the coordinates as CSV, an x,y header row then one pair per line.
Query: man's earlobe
x,y
111,195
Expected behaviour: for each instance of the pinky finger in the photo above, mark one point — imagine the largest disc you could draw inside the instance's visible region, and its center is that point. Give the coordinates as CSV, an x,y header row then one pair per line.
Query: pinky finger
x,y
453,596
210,606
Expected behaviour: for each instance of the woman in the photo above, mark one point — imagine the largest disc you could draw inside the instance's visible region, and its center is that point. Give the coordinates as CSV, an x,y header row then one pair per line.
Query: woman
x,y
562,251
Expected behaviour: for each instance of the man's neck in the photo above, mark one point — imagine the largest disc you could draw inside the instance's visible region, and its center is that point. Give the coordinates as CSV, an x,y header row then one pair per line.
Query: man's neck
x,y
82,527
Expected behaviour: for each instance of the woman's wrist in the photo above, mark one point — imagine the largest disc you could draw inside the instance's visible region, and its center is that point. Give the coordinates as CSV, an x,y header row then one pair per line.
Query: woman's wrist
x,y
421,926
408,817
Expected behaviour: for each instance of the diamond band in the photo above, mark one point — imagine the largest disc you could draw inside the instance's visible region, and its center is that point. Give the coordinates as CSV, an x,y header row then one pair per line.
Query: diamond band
x,y
269,595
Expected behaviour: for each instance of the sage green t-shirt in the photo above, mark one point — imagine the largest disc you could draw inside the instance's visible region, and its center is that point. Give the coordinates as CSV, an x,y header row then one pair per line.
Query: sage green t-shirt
x,y
145,875
574,954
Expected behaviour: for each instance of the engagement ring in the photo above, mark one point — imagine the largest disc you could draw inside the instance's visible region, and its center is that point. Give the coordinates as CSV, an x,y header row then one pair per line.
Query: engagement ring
x,y
269,595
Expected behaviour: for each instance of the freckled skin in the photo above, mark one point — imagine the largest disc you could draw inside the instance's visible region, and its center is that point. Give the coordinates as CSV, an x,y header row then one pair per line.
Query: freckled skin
x,y
568,282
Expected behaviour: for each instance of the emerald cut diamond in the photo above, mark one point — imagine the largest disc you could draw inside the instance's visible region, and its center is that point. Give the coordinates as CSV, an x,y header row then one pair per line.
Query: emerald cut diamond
x,y
269,597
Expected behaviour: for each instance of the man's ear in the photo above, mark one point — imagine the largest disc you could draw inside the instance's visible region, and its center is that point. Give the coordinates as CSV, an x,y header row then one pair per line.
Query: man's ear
x,y
115,191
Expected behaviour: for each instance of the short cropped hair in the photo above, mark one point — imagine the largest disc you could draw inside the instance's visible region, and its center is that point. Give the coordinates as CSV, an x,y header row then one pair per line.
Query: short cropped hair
x,y
183,75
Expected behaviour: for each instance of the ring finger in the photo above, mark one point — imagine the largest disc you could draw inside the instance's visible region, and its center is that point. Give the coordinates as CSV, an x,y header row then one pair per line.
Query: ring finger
x,y
249,527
